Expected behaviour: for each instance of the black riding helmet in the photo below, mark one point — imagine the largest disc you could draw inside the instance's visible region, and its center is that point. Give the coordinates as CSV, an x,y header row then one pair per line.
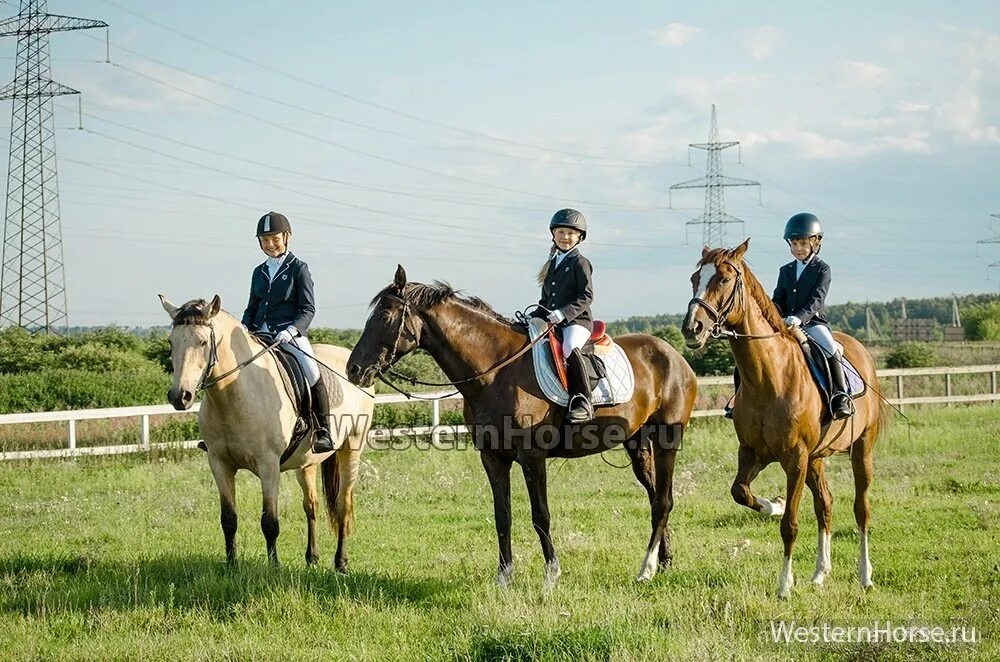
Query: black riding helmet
x,y
272,223
803,224
569,218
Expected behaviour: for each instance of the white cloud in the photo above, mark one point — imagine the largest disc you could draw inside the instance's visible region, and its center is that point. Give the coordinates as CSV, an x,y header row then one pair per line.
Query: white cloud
x,y
152,89
856,75
674,35
759,43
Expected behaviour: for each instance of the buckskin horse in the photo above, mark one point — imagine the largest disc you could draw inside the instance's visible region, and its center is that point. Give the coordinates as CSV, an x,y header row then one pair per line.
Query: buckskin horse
x,y
480,352
247,420
778,412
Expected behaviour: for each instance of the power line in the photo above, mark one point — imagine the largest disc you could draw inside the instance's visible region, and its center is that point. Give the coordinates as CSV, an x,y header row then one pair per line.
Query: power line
x,y
370,104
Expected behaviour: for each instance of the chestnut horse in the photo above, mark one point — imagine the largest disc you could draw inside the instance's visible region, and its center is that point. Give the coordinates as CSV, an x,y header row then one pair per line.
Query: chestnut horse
x,y
247,420
512,421
778,408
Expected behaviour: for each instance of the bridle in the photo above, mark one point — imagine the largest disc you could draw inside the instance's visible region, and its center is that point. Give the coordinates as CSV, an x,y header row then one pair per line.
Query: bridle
x,y
384,366
213,359
719,317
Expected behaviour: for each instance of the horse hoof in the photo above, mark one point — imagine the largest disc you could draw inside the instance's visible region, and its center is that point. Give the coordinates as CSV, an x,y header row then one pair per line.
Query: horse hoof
x,y
551,576
819,578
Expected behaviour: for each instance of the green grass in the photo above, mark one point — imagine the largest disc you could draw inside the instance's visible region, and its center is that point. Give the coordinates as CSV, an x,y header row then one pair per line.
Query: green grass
x,y
123,558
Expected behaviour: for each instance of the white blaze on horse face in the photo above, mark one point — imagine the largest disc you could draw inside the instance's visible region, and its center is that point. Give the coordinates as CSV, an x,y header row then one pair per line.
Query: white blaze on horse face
x,y
704,277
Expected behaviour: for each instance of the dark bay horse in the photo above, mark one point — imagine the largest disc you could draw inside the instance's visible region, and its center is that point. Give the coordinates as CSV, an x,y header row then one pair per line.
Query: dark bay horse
x,y
511,419
777,412
247,419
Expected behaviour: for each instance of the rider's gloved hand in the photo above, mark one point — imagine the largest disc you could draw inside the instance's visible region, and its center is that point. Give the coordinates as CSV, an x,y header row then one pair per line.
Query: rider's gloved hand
x,y
556,316
284,336
792,320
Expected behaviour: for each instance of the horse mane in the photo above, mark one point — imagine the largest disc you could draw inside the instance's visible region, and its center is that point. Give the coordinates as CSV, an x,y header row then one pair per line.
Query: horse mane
x,y
194,312
755,289
427,296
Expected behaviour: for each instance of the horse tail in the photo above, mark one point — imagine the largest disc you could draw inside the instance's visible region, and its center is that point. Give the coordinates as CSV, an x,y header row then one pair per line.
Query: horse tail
x,y
881,423
331,488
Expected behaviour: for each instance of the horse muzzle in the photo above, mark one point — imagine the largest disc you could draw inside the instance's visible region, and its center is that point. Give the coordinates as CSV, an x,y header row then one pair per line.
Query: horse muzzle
x,y
181,399
360,376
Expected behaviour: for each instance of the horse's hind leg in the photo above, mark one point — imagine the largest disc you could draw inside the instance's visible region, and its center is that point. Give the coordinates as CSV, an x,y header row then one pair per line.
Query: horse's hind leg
x,y
823,504
307,481
270,482
640,453
664,447
225,480
748,467
348,464
861,463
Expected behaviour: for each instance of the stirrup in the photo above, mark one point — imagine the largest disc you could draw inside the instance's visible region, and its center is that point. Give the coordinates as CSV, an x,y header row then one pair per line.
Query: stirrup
x,y
322,442
844,407
580,413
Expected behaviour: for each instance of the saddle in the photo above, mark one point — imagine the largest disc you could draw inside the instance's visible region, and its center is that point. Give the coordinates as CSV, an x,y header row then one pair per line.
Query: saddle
x,y
299,392
819,368
611,376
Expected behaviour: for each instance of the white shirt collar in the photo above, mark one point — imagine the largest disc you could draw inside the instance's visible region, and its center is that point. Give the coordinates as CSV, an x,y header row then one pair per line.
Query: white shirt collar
x,y
274,263
560,255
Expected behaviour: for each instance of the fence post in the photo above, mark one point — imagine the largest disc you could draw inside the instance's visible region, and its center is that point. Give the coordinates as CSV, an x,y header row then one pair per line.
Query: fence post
x,y
993,381
899,390
145,432
72,434
435,422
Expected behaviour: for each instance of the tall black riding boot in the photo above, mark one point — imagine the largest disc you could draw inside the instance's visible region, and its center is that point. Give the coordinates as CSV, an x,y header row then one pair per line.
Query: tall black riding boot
x,y
840,402
580,409
736,386
322,443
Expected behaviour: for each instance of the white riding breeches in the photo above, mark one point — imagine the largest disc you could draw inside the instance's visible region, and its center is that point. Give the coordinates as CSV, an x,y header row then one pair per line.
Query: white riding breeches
x,y
822,336
303,352
574,336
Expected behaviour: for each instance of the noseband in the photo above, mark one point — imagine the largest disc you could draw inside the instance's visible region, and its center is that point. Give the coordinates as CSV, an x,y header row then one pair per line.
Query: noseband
x,y
719,317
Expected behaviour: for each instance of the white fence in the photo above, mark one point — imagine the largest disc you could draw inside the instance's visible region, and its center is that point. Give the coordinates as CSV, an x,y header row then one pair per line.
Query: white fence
x,y
435,429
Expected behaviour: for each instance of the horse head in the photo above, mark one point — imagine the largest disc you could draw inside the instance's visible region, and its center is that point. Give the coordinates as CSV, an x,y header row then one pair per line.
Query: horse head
x,y
193,347
718,292
391,332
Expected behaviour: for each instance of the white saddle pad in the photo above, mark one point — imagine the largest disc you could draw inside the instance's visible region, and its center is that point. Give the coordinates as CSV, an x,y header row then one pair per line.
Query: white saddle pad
x,y
614,389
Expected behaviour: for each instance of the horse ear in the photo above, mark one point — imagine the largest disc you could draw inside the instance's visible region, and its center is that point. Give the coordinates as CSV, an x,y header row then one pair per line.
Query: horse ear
x,y
214,307
705,251
167,306
737,253
400,279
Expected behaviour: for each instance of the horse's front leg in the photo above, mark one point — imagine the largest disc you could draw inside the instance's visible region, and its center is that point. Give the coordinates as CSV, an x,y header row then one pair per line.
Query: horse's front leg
x,y
796,468
225,480
270,482
533,467
748,467
498,471
307,481
823,505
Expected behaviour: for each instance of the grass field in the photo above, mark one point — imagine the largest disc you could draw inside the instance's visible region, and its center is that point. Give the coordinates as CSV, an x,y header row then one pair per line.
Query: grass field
x,y
123,558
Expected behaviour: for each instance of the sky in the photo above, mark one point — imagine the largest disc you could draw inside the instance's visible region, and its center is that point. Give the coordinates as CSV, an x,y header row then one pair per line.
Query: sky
x,y
443,135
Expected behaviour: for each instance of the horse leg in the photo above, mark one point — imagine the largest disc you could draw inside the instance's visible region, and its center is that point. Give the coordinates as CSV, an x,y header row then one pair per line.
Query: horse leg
x,y
823,505
861,463
348,464
307,481
796,467
748,467
270,482
225,480
498,471
533,468
663,461
641,454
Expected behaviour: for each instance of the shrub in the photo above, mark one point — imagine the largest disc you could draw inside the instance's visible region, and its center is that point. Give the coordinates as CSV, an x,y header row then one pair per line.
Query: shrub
x,y
715,359
55,389
982,322
100,359
22,352
672,335
112,338
911,355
